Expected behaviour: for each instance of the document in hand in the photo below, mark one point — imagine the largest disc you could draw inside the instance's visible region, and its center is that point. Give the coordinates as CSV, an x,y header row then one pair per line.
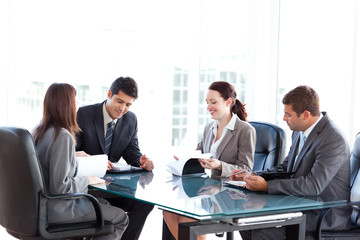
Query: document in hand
x,y
95,165
188,164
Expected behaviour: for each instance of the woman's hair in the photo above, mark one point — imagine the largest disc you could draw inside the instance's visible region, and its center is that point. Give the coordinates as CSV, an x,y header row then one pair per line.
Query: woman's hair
x,y
59,111
226,91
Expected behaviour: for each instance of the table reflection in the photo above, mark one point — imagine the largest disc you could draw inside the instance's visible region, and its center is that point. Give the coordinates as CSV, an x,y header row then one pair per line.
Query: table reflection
x,y
127,183
203,196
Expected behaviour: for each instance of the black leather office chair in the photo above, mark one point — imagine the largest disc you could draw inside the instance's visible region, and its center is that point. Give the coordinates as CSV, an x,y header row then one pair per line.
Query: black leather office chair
x,y
270,145
354,232
23,200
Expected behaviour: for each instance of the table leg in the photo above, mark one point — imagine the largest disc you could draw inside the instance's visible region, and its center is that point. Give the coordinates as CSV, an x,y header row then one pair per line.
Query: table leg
x,y
295,228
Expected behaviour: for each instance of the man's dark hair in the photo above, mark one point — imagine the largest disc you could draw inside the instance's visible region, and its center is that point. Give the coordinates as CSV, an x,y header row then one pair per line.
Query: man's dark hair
x,y
303,98
126,85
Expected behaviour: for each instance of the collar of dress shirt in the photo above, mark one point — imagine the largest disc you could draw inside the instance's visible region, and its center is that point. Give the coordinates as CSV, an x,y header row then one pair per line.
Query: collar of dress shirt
x,y
308,131
107,118
230,125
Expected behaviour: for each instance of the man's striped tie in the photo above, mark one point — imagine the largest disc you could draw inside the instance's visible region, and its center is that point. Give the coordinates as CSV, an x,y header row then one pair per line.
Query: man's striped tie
x,y
108,137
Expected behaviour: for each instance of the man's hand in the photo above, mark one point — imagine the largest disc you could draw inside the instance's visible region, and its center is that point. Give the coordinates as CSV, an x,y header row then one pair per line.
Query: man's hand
x,y
255,183
146,163
110,165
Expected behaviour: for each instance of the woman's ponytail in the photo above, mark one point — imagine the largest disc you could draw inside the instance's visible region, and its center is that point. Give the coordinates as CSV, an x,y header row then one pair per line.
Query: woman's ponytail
x,y
239,109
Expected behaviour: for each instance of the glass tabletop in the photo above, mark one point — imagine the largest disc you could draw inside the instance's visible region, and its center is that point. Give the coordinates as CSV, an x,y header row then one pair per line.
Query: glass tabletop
x,y
201,197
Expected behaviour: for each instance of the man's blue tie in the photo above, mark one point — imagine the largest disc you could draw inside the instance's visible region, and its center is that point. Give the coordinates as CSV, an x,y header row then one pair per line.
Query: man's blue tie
x,y
301,144
108,136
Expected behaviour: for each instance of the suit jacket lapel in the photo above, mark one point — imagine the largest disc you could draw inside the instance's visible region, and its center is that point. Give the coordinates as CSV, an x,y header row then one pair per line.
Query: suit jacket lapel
x,y
118,131
313,135
224,142
99,126
293,154
208,140
303,151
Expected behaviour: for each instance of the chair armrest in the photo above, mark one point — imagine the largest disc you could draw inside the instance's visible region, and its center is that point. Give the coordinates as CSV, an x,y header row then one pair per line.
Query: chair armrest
x,y
74,230
319,222
44,197
323,214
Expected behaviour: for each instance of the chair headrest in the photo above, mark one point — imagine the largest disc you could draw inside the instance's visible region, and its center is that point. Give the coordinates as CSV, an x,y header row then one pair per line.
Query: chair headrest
x,y
20,181
270,145
268,136
356,148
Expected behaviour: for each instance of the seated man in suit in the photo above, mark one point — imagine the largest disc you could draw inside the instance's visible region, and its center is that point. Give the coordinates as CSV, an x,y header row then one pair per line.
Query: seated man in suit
x,y
319,157
109,128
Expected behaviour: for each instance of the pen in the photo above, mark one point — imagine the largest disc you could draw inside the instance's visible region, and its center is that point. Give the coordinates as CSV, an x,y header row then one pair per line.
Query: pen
x,y
238,173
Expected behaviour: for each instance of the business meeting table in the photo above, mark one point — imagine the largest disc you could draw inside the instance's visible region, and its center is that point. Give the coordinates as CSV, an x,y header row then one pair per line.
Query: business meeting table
x,y
217,206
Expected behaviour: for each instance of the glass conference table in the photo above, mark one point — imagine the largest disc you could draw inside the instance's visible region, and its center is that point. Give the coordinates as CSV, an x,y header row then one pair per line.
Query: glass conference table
x,y
218,207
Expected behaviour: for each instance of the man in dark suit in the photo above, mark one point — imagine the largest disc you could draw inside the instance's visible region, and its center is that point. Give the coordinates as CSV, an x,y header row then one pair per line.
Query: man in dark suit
x,y
319,156
109,128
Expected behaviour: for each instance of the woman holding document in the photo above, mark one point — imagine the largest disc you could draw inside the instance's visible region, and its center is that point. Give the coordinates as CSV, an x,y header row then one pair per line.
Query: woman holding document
x,y
229,139
55,145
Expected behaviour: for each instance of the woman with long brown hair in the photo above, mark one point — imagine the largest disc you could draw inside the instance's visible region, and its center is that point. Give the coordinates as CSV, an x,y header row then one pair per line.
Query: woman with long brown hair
x,y
55,145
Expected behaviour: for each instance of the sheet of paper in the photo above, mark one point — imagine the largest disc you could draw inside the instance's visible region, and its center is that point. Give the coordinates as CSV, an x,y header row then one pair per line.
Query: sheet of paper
x,y
95,165
195,154
121,167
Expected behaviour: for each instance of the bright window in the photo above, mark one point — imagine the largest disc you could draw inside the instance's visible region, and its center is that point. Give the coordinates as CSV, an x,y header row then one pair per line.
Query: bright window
x,y
174,50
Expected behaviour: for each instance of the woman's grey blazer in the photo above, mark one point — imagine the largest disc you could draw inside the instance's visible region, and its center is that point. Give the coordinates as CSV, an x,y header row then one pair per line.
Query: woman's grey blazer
x,y
236,149
58,165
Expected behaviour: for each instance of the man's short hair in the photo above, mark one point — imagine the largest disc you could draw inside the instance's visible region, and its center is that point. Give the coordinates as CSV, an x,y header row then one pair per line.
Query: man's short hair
x,y
303,98
126,85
